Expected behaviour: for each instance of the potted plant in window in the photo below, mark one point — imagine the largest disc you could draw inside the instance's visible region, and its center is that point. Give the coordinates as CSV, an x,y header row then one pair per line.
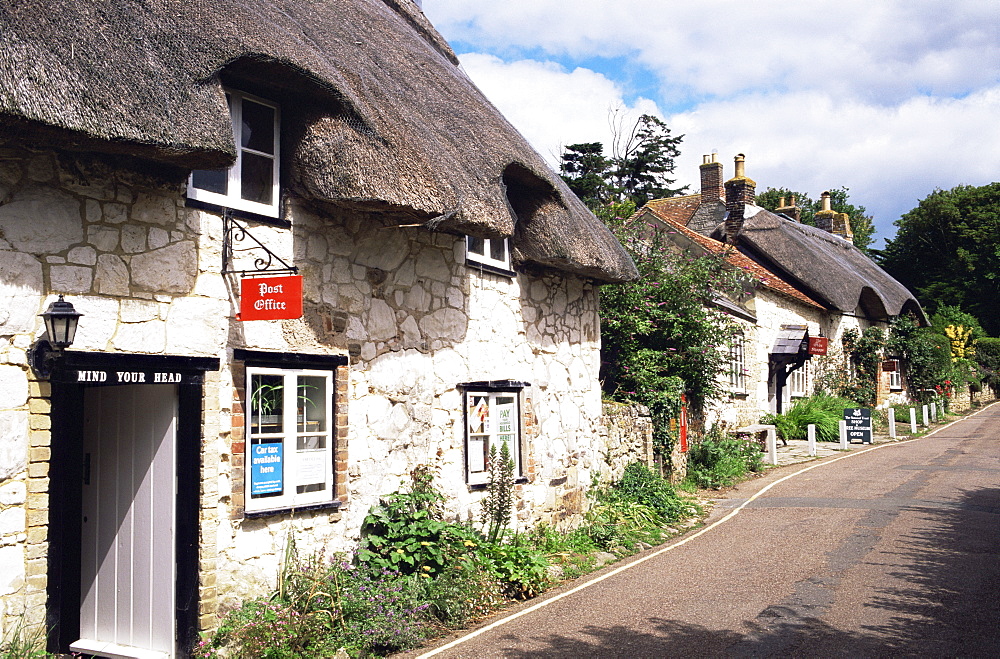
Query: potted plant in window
x,y
265,406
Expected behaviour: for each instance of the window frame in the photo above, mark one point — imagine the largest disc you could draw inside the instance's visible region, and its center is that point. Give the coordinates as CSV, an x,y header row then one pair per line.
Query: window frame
x,y
290,459
484,260
896,376
479,477
799,381
233,199
737,364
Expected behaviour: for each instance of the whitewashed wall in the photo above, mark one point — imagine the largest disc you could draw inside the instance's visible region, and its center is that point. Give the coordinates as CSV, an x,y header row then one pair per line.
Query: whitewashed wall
x,y
145,271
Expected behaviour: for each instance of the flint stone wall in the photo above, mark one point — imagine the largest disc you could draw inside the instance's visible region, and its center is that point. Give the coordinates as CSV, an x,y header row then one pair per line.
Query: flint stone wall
x,y
414,319
629,438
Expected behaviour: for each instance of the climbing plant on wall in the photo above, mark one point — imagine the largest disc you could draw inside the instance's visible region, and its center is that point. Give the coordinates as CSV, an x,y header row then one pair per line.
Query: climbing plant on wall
x,y
662,335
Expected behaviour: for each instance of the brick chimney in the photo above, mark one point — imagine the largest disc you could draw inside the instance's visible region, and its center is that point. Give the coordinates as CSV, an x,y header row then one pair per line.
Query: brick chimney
x,y
740,191
711,180
824,217
842,227
789,209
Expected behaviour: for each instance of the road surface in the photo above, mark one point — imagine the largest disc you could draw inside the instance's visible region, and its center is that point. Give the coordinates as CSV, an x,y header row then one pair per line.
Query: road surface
x,y
888,552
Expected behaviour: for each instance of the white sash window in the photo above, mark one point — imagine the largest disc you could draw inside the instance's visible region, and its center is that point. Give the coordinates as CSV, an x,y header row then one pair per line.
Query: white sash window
x,y
289,448
251,184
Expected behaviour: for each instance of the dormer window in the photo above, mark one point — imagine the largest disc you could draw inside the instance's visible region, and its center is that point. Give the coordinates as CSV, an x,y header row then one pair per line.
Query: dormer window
x,y
251,184
491,254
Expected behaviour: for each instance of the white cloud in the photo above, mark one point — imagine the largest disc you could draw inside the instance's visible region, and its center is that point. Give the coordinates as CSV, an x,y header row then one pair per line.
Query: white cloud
x,y
552,107
881,51
891,98
890,156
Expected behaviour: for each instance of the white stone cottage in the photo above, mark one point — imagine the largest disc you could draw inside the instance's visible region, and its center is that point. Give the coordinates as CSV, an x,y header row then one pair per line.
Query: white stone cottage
x,y
164,164
806,282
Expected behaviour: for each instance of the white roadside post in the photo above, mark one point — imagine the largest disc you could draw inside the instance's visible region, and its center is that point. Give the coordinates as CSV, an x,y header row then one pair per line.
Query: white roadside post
x,y
843,435
934,411
892,423
913,421
772,445
811,432
924,411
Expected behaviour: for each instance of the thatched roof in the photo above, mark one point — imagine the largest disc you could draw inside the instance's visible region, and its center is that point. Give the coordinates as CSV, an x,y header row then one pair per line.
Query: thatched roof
x,y
376,112
828,267
736,259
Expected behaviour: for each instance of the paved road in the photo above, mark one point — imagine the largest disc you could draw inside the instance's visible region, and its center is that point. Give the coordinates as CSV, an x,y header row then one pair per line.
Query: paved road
x,y
888,552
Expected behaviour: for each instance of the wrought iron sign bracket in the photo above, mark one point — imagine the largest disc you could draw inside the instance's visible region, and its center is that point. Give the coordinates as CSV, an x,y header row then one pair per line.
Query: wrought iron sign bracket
x,y
233,232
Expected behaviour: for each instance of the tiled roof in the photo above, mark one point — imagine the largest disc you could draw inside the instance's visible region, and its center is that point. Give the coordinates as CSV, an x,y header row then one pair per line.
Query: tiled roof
x,y
676,209
734,258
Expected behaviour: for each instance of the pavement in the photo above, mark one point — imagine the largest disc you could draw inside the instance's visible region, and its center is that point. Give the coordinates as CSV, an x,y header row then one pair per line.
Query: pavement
x,y
798,449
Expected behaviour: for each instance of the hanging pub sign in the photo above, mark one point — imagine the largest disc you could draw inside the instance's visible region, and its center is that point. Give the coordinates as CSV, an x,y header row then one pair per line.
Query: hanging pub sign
x,y
271,298
817,345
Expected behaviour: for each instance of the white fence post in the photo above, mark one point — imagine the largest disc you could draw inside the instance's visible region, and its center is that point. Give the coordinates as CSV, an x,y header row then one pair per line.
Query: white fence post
x,y
843,434
924,412
913,421
892,423
811,433
933,411
772,445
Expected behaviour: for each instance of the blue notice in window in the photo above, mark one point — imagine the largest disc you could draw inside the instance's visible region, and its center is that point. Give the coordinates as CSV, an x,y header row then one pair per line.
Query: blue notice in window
x,y
265,468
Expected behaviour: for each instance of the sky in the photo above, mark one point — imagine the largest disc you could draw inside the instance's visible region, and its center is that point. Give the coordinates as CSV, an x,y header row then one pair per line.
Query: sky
x,y
891,99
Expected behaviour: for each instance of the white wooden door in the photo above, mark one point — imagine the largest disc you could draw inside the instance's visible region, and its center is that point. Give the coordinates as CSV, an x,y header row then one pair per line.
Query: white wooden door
x,y
127,549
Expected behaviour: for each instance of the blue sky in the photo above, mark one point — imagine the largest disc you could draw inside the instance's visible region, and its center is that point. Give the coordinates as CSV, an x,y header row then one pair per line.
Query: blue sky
x,y
889,98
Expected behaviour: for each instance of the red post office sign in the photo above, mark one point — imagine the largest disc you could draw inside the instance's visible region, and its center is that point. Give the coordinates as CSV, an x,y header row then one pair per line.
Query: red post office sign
x,y
817,345
271,298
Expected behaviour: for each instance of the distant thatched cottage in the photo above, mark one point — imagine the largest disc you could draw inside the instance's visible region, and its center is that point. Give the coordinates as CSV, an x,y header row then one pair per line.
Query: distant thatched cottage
x,y
807,282
448,299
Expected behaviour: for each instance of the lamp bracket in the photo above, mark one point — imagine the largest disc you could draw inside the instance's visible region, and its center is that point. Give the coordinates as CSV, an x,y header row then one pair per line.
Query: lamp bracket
x,y
235,233
42,357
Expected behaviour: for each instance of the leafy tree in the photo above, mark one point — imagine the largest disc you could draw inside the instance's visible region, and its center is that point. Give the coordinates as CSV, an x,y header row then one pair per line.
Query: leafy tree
x,y
585,170
962,329
926,353
862,223
644,160
988,362
661,334
947,251
638,170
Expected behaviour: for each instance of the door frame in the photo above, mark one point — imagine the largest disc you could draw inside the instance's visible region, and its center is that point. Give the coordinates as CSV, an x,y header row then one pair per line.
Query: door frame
x,y
66,479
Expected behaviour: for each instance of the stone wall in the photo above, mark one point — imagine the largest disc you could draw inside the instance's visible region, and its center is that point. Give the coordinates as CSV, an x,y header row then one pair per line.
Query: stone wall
x,y
400,302
965,399
627,433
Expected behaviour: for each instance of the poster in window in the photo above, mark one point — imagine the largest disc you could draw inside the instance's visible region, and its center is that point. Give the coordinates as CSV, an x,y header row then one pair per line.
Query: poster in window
x,y
477,454
479,415
266,468
505,422
311,467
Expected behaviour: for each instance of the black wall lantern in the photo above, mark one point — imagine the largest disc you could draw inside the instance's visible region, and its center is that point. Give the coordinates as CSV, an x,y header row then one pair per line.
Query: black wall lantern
x,y
61,320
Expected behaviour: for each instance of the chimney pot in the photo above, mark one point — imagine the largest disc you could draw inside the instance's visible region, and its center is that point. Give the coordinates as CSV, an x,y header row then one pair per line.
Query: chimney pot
x,y
825,197
824,218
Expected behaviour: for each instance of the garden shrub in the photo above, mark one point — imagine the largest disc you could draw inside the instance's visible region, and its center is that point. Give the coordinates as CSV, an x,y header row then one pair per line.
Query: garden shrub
x,y
418,574
322,605
822,410
719,461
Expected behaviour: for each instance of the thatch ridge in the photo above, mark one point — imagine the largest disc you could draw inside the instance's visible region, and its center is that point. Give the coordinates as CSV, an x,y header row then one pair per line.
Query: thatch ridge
x,y
831,267
390,121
